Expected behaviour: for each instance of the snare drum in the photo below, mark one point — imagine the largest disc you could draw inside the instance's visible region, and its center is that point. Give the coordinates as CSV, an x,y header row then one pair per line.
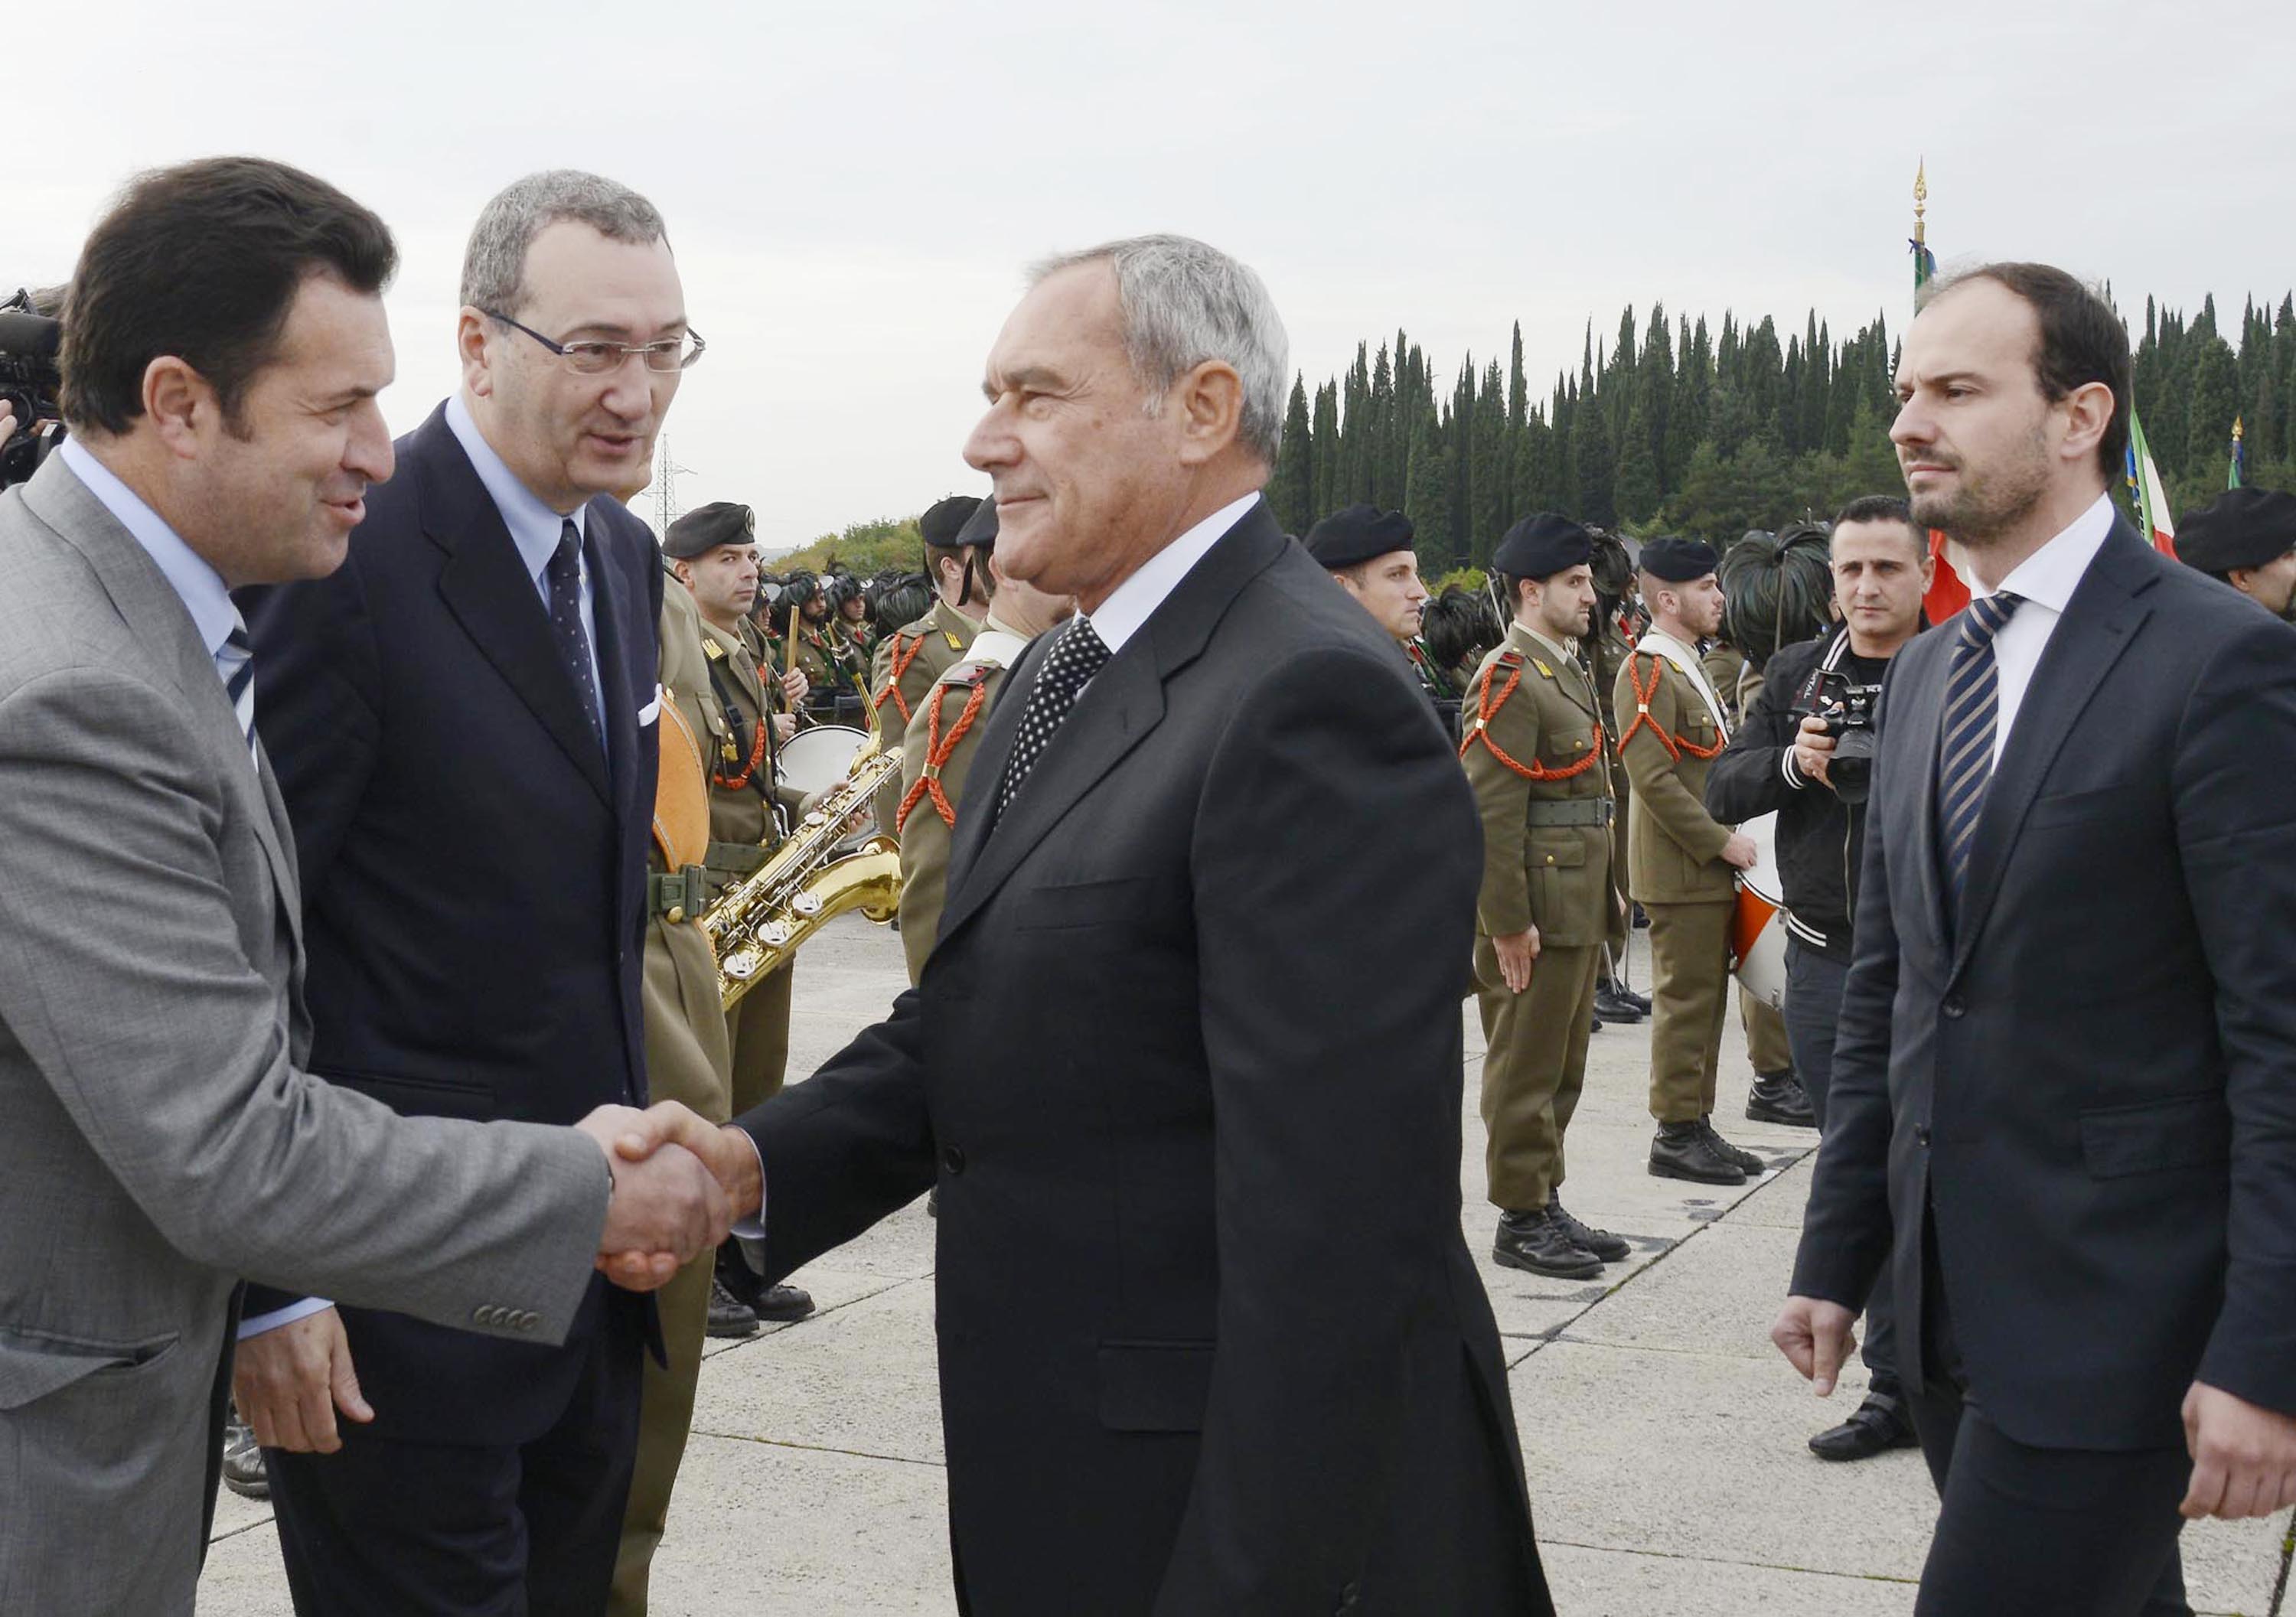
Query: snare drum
x,y
813,761
1758,931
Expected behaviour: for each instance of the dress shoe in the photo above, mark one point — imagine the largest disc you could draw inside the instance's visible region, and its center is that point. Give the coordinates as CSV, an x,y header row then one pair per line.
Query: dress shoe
x,y
1688,1151
783,1301
1601,1243
1626,995
1611,1007
242,1460
1641,919
1595,1022
1752,1165
1879,1425
1534,1241
730,1318
1778,1097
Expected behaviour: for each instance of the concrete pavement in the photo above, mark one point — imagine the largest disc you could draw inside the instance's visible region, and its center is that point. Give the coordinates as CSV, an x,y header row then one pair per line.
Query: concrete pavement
x,y
1662,1434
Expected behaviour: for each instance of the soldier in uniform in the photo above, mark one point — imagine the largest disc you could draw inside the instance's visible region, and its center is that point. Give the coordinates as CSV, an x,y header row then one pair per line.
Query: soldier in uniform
x,y
688,1058
909,660
1605,650
2247,537
1368,552
937,756
712,551
1535,752
835,676
853,622
1680,862
1776,1095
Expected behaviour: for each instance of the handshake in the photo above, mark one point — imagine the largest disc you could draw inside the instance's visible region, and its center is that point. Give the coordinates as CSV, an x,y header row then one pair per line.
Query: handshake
x,y
679,1185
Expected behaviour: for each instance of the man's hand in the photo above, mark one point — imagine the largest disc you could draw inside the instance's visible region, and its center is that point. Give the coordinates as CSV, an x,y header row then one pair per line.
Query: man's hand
x,y
1817,1338
795,685
1518,952
667,1208
7,423
784,726
2243,1457
1813,751
1739,852
725,1150
290,1381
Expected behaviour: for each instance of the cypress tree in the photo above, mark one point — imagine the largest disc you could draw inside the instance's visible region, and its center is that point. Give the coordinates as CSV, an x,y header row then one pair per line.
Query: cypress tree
x,y
1291,490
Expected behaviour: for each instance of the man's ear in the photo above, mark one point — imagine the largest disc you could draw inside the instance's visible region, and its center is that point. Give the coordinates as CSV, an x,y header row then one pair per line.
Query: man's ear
x,y
178,402
2088,411
1210,402
473,346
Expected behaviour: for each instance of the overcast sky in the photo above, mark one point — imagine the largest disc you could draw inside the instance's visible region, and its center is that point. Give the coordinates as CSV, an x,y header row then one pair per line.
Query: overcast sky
x,y
853,189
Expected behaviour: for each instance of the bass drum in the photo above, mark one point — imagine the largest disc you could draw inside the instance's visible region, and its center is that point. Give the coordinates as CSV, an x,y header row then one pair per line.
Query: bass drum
x,y
811,762
1758,931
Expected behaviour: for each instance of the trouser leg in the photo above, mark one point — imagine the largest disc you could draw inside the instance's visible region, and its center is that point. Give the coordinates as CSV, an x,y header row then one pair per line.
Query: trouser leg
x,y
1768,1048
1690,977
1534,1068
758,1025
665,1419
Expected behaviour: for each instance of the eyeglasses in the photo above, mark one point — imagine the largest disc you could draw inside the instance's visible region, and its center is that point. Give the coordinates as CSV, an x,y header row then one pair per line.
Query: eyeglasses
x,y
591,357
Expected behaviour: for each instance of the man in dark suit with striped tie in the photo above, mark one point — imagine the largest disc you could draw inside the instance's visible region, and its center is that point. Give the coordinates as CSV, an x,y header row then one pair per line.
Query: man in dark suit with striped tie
x,y
2064,1094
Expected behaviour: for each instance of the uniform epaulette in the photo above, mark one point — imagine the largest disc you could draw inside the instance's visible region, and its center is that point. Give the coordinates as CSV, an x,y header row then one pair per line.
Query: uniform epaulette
x,y
712,650
955,644
969,673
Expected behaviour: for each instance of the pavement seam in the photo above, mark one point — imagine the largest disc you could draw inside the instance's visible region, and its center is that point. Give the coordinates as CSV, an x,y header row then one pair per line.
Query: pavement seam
x,y
855,1454
2280,1590
1769,1566
235,1531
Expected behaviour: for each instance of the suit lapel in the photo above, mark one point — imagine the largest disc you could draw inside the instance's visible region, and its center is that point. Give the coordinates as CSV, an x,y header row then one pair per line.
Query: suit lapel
x,y
1924,714
1123,703
487,588
2097,626
610,612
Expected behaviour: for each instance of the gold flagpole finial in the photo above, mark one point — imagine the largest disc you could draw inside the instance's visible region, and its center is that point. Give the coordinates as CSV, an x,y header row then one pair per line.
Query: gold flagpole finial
x,y
2235,429
1921,199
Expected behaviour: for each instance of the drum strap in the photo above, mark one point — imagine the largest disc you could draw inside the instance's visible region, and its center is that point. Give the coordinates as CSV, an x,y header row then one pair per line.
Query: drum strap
x,y
1675,745
1487,706
937,748
906,648
760,742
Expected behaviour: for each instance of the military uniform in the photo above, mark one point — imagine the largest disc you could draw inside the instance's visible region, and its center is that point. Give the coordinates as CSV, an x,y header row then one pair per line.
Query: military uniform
x,y
1606,650
688,1059
1674,868
834,676
908,663
1737,682
1535,754
936,759
1443,693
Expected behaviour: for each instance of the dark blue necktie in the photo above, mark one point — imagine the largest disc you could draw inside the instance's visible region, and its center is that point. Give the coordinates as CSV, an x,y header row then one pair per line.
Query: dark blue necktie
x,y
564,575
1074,659
1973,706
236,661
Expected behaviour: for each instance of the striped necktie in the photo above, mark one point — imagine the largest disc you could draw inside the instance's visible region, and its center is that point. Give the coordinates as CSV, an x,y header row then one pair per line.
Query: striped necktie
x,y
236,661
1972,704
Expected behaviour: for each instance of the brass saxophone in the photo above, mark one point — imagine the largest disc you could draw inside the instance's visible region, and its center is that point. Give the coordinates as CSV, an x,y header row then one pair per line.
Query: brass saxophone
x,y
757,925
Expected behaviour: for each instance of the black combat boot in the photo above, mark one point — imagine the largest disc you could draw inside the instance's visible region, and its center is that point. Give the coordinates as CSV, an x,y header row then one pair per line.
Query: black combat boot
x,y
1754,1166
1692,1151
1601,1243
1612,1005
1534,1241
1778,1097
242,1460
730,1318
1623,994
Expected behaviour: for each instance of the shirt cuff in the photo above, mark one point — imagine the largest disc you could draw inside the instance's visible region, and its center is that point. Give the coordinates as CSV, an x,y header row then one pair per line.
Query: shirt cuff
x,y
1794,777
754,1228
276,1317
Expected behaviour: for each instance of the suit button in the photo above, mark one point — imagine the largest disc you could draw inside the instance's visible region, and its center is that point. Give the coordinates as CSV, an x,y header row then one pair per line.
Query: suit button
x,y
1921,1135
477,1316
952,1159
525,1321
1955,1006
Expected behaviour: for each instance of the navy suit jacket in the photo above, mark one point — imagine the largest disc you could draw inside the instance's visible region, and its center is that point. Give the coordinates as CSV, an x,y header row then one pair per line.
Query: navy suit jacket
x,y
2089,1087
473,867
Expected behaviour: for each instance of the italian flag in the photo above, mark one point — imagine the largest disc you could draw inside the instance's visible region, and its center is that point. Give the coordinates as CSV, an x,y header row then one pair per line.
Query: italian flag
x,y
2151,497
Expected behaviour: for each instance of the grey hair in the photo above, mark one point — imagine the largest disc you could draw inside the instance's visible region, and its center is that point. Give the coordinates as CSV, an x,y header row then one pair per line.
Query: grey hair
x,y
1184,303
494,265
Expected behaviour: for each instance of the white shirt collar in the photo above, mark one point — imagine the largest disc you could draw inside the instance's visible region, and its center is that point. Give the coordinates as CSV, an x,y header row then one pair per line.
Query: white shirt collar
x,y
534,527
1136,600
204,594
2049,576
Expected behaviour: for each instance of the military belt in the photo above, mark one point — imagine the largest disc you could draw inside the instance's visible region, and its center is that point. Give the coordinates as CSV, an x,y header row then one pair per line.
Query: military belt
x,y
735,858
682,895
1574,811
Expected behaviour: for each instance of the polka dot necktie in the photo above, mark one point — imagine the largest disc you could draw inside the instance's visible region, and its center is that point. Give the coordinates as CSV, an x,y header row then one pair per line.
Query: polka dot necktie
x,y
1973,707
564,575
1075,658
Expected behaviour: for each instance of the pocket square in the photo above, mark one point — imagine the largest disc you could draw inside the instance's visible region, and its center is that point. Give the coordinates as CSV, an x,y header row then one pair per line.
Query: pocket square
x,y
652,710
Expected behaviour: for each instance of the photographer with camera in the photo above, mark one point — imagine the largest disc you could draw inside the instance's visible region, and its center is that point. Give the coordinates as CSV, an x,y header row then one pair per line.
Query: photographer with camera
x,y
1804,752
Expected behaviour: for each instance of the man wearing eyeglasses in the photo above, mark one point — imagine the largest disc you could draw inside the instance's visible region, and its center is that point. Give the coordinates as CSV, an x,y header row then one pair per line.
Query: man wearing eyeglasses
x,y
463,720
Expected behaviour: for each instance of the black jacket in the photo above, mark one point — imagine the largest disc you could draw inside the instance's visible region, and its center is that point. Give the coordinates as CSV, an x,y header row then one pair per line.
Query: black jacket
x,y
1188,1365
1819,836
473,868
2088,1087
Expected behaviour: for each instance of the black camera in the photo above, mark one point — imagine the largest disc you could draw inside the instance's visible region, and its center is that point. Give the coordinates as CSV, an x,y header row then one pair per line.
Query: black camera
x,y
1848,710
30,382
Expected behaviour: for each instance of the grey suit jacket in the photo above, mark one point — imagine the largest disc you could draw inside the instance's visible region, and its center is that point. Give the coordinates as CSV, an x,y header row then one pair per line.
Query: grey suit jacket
x,y
161,1136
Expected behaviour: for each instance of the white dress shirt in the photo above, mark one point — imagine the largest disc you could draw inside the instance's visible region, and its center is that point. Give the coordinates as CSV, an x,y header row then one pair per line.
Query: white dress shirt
x,y
534,529
1136,600
2047,580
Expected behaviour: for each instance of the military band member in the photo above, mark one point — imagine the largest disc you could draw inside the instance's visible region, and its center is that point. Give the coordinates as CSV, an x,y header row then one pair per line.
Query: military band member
x,y
689,1058
1776,1095
1535,752
835,674
909,660
937,755
712,551
1681,864
2247,537
853,622
1368,552
1607,647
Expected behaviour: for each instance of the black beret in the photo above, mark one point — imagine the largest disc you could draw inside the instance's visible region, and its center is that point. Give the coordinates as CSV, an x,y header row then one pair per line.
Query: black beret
x,y
1360,533
703,529
1542,546
943,519
2241,528
1677,561
980,527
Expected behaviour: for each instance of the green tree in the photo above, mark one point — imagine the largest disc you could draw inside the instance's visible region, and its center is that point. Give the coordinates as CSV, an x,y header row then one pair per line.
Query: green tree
x,y
1291,490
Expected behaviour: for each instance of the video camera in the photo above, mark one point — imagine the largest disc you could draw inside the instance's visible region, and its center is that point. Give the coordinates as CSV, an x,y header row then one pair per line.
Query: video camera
x,y
1848,710
30,382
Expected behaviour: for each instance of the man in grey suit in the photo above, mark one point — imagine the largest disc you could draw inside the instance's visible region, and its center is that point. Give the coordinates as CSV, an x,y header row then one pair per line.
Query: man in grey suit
x,y
223,350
